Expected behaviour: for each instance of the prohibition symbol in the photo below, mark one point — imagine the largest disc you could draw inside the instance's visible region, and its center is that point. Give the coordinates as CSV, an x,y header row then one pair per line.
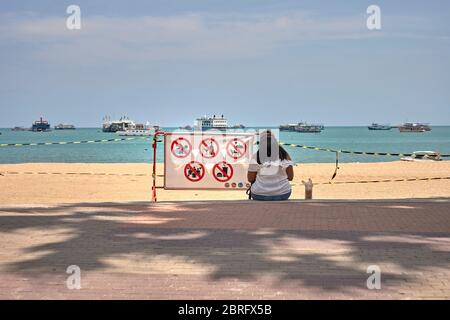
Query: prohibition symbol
x,y
222,171
194,171
181,147
209,148
236,148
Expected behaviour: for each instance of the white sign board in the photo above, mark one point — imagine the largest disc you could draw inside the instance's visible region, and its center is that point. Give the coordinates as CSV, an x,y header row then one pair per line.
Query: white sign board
x,y
207,160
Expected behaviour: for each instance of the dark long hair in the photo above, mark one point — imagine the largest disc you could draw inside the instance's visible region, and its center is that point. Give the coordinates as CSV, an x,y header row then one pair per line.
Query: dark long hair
x,y
282,154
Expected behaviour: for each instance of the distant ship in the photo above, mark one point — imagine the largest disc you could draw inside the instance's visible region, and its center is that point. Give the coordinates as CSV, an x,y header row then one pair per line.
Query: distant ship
x,y
414,127
376,126
237,126
288,127
40,125
63,126
207,123
308,128
122,124
302,127
187,127
139,130
19,129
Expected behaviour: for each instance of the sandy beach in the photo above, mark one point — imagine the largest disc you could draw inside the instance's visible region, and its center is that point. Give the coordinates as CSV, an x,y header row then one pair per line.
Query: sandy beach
x,y
51,183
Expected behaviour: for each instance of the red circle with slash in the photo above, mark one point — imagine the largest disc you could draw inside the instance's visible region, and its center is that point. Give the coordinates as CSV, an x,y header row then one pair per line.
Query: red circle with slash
x,y
208,145
232,146
220,174
194,171
183,145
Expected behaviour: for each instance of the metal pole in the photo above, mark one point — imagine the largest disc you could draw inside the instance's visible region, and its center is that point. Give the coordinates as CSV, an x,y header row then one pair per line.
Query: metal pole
x,y
154,145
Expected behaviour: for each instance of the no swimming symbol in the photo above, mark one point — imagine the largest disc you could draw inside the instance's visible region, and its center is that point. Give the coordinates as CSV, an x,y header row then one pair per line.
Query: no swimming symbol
x,y
181,147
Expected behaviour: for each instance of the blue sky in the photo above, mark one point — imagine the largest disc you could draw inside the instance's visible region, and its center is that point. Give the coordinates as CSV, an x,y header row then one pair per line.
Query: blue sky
x,y
259,62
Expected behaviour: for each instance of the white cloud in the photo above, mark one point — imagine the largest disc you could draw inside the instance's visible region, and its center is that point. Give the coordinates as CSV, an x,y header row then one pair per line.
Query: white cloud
x,y
188,36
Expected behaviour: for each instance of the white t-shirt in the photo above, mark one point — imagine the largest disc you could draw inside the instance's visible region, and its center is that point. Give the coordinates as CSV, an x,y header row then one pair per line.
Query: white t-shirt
x,y
271,178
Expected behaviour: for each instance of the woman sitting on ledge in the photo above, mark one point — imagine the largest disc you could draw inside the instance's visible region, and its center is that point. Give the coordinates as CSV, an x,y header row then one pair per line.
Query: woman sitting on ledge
x,y
270,170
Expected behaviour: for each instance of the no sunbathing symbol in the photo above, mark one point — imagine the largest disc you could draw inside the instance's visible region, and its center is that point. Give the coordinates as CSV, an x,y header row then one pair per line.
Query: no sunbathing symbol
x,y
236,148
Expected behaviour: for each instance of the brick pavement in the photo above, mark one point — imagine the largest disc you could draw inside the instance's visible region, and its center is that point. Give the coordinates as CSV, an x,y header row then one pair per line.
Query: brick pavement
x,y
227,250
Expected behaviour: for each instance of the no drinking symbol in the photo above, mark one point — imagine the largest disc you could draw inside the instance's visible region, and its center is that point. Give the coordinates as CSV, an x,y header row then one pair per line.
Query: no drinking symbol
x,y
222,171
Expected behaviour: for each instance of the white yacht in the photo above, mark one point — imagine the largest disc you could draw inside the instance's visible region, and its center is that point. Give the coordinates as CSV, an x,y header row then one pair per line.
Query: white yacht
x,y
122,124
139,130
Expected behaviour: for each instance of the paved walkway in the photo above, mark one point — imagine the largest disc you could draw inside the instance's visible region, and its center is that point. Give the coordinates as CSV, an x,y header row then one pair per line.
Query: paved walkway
x,y
227,250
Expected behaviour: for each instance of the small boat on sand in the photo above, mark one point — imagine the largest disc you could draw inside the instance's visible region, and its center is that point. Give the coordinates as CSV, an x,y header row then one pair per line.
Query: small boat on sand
x,y
423,156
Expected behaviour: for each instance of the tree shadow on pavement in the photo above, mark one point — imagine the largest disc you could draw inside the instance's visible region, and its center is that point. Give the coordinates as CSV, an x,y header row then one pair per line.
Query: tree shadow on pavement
x,y
317,245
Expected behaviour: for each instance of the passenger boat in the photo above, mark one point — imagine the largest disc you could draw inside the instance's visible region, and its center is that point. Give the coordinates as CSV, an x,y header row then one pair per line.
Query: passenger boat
x,y
414,127
139,130
288,127
63,126
302,127
208,123
308,128
376,126
123,124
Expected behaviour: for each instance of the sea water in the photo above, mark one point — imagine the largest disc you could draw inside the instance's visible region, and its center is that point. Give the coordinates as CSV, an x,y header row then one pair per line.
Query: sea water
x,y
140,151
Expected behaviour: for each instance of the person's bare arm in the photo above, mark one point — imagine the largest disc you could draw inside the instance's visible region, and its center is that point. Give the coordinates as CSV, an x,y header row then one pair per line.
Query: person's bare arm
x,y
290,173
290,170
251,176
